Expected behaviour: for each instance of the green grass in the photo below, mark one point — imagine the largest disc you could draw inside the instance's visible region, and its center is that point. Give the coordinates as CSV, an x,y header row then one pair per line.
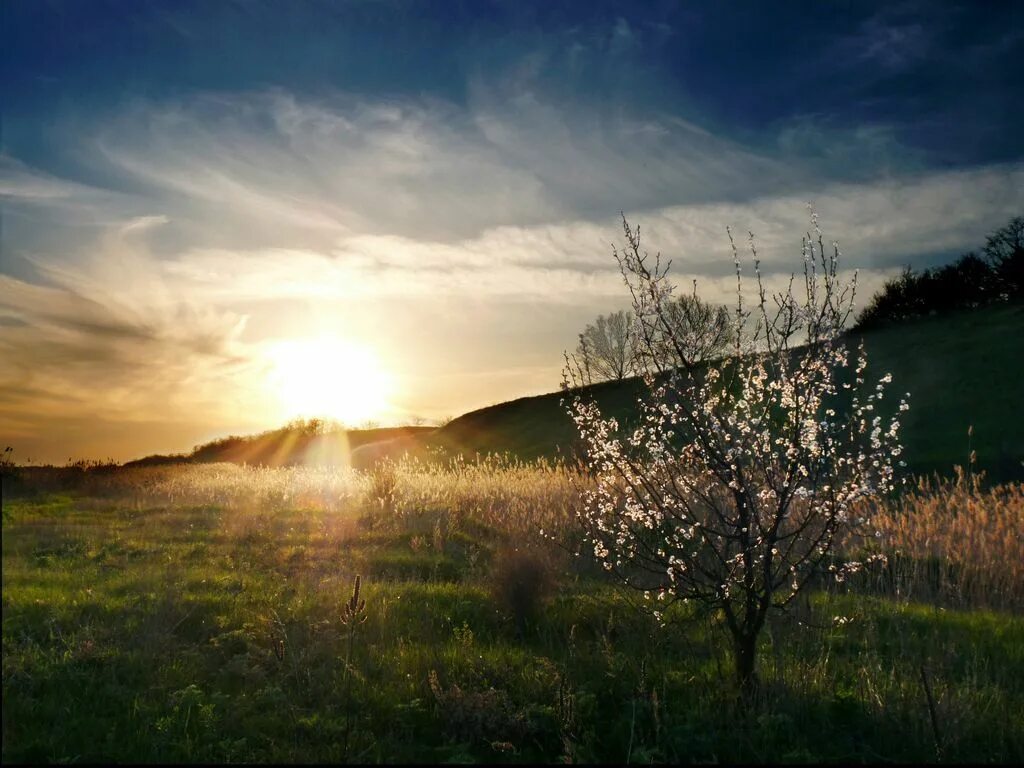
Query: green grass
x,y
149,635
962,369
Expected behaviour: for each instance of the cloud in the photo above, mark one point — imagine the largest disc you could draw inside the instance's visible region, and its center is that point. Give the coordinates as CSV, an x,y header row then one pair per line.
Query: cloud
x,y
20,182
111,340
880,226
272,171
892,45
24,188
410,224
323,168
342,175
142,223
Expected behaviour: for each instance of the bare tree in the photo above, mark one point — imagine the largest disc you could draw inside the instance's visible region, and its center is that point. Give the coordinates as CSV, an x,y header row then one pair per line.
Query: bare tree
x,y
741,479
606,348
699,332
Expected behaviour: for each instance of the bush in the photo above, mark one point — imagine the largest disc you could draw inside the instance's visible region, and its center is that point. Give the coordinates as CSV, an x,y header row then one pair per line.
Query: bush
x,y
476,717
521,582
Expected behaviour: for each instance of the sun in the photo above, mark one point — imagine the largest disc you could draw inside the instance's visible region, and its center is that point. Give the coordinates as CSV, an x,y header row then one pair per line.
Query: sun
x,y
329,377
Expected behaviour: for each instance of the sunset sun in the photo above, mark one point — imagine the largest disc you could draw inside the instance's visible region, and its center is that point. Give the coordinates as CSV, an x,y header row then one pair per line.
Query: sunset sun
x,y
328,377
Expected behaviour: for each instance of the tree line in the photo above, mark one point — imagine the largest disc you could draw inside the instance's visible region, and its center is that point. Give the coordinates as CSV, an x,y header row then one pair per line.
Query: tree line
x,y
996,274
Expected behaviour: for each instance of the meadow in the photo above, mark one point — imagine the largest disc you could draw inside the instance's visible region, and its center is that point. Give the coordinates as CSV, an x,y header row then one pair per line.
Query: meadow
x,y
205,613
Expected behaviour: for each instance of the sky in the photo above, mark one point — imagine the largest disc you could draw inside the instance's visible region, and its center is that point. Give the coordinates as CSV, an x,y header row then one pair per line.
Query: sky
x,y
216,216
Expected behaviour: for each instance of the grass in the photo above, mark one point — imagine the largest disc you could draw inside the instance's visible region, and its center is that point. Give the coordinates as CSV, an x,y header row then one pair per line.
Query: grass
x,y
194,615
955,541
946,363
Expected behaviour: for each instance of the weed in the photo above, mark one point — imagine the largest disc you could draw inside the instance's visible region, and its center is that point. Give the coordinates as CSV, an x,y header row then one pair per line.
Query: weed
x,y
486,717
353,613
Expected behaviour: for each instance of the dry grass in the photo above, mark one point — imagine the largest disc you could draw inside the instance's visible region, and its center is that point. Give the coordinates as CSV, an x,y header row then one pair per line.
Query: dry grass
x,y
518,498
504,492
949,541
953,541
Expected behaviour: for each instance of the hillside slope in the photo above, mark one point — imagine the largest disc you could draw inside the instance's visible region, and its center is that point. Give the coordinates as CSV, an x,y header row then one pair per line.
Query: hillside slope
x,y
287,446
962,369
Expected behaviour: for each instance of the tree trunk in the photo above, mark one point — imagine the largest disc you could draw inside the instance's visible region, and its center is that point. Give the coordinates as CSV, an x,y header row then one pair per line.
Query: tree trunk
x,y
745,653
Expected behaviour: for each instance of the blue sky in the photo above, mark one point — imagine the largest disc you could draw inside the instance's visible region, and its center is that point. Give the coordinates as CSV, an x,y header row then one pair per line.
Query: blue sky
x,y
940,77
185,184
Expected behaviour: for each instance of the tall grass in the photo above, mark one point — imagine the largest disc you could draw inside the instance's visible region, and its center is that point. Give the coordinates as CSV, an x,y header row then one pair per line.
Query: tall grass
x,y
951,541
955,542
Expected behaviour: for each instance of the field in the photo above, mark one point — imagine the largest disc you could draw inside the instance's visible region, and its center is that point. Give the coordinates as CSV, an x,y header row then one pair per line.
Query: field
x,y
197,614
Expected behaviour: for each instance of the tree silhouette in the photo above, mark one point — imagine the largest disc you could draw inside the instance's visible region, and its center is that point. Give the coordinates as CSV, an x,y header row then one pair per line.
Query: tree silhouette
x,y
606,348
970,281
1004,250
699,332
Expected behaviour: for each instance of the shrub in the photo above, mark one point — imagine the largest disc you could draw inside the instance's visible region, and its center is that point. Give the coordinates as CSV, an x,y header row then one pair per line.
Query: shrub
x,y
522,580
487,716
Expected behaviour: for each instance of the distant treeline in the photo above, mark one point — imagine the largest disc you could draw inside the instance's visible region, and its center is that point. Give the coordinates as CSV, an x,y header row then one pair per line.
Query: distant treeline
x,y
973,280
302,441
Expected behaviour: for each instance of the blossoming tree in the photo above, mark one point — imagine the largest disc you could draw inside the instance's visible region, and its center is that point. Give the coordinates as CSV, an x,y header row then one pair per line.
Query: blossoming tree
x,y
739,479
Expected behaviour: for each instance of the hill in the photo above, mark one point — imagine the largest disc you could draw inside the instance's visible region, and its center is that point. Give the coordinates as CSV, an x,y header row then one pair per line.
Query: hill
x,y
297,443
962,369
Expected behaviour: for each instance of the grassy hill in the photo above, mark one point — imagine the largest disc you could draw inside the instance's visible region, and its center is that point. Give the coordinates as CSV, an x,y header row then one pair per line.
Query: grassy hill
x,y
299,443
962,369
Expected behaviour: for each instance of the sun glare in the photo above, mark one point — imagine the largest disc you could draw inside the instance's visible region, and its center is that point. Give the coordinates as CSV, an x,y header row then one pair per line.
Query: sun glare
x,y
328,377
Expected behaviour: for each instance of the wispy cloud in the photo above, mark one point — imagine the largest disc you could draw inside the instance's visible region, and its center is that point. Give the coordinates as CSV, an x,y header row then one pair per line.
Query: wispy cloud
x,y
20,182
881,226
109,339
409,223
419,168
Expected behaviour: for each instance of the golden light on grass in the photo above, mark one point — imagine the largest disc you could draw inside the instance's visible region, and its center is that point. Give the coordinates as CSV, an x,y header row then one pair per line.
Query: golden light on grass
x,y
329,377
